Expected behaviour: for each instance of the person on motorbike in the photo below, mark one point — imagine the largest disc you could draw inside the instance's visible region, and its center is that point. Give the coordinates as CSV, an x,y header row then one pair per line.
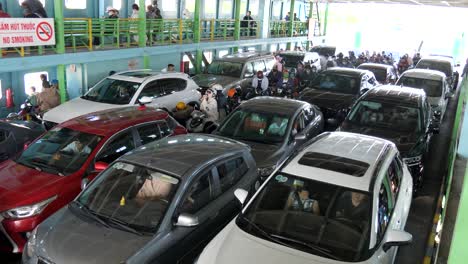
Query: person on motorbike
x,y
346,63
221,99
260,82
209,105
32,96
275,79
306,78
182,113
233,99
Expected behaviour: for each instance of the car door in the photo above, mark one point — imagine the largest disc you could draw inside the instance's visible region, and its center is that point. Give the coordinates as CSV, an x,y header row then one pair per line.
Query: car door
x,y
174,92
313,121
247,76
154,90
198,199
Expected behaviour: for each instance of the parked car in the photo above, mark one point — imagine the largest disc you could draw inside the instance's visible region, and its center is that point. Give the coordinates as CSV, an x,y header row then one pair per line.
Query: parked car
x,y
400,114
15,134
335,90
235,69
437,89
345,198
292,58
273,127
325,52
162,203
385,74
126,88
49,173
441,63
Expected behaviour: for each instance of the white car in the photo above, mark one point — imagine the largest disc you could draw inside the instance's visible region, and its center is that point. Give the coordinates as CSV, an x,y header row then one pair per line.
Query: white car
x,y
436,86
125,88
343,198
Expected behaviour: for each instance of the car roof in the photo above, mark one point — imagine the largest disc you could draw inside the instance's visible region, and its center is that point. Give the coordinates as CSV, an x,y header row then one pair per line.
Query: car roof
x,y
346,71
110,121
245,56
375,65
295,52
397,94
181,155
142,75
273,105
437,58
336,150
424,74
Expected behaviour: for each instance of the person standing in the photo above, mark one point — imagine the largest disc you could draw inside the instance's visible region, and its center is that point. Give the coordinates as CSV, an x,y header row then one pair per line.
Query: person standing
x,y
35,7
247,21
45,82
288,16
48,99
3,13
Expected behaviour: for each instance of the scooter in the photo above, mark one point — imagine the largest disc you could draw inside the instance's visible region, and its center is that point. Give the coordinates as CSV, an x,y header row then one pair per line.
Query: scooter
x,y
26,113
254,92
198,123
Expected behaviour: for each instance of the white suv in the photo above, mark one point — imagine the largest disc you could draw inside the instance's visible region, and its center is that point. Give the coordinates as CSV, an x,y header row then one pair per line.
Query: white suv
x,y
125,88
343,198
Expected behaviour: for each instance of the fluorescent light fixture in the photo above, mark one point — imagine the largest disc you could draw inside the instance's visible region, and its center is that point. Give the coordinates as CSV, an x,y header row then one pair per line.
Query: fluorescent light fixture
x,y
416,2
445,3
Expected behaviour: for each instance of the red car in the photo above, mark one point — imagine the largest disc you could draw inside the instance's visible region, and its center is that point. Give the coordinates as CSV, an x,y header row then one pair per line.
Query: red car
x,y
49,173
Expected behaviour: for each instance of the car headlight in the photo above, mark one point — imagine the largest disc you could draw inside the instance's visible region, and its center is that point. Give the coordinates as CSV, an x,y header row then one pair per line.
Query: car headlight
x,y
412,160
31,247
28,210
265,171
437,113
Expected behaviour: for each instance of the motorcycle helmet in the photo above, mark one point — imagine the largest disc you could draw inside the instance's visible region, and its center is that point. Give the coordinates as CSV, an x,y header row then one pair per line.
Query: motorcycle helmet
x,y
231,92
217,87
212,91
180,106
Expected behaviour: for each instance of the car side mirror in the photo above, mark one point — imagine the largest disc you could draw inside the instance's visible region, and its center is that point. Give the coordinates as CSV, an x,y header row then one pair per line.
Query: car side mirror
x,y
300,137
241,195
187,220
396,238
84,183
100,166
145,100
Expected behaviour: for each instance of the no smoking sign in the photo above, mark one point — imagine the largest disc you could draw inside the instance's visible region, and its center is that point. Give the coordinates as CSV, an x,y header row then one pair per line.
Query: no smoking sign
x,y
44,31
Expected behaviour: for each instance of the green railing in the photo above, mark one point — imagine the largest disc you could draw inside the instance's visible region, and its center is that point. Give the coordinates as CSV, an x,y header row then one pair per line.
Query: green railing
x,y
280,29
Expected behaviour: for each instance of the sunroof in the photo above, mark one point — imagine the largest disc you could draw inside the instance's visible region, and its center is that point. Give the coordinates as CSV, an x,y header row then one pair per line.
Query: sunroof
x,y
137,74
334,163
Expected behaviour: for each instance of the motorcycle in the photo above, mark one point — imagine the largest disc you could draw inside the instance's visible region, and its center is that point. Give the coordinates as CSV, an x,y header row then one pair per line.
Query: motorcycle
x,y
197,123
233,100
26,113
254,92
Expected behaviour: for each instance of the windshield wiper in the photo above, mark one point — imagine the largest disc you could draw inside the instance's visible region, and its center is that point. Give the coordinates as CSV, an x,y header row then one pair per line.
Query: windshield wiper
x,y
263,232
124,226
28,165
44,165
323,251
90,213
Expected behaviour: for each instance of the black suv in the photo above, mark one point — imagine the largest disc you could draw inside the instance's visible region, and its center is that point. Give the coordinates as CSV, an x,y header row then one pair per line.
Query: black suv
x,y
400,114
335,90
441,63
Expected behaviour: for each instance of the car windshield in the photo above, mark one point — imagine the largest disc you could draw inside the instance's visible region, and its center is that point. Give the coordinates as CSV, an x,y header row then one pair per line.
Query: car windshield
x,y
380,74
291,60
226,68
307,215
433,88
269,128
384,115
337,83
111,91
444,67
60,151
131,194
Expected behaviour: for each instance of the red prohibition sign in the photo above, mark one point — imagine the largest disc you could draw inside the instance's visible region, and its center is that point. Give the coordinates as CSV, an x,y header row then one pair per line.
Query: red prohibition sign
x,y
44,31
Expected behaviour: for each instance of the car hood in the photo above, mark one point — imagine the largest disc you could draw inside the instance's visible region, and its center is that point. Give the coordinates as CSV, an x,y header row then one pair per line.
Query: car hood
x,y
404,141
329,100
265,155
21,185
66,238
74,108
206,80
233,246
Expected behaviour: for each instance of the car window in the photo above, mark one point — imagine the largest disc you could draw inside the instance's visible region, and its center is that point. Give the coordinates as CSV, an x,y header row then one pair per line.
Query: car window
x,y
148,133
394,178
200,193
259,66
248,69
171,85
118,146
230,172
153,90
269,64
309,115
385,208
299,123
165,129
433,88
112,91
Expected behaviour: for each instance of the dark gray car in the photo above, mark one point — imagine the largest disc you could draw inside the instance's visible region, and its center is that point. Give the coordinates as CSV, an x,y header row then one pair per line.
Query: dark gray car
x,y
14,134
161,203
273,127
